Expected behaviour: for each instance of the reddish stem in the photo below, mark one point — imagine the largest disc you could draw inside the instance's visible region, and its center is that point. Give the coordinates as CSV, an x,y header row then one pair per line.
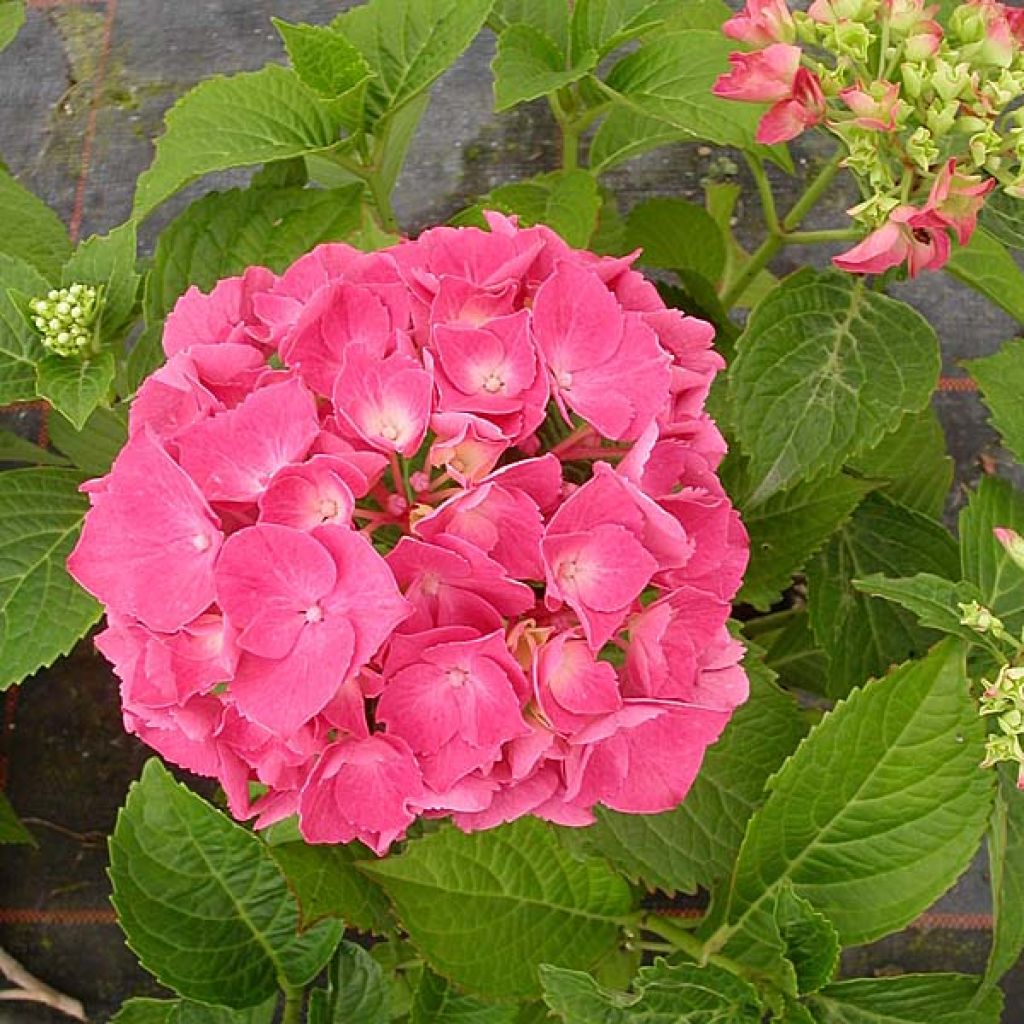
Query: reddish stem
x,y
570,442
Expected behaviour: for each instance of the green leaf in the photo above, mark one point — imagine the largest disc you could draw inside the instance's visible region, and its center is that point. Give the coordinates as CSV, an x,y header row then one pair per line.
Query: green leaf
x,y
932,599
201,901
810,941
359,993
669,79
912,999
323,58
42,610
794,655
529,64
912,462
987,267
662,994
17,449
676,235
74,386
142,357
825,370
984,560
721,198
438,1002
789,527
250,118
20,346
409,45
11,828
566,201
600,26
107,261
708,14
1003,218
863,636
1006,867
695,844
877,813
1001,379
485,909
624,133
12,17
224,232
32,231
549,16
93,448
326,883
183,1011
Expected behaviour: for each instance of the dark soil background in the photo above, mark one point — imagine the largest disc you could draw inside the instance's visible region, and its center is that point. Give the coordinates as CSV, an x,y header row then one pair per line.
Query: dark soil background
x,y
83,90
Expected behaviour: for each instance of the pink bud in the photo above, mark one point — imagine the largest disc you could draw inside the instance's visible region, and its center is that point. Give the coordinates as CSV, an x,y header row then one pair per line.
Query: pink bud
x,y
761,23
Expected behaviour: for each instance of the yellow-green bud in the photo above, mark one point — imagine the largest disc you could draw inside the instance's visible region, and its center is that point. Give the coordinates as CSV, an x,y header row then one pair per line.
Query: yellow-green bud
x,y
921,148
66,318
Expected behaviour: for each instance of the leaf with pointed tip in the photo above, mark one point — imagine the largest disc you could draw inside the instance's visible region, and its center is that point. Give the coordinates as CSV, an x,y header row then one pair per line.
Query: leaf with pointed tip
x,y
74,386
600,26
20,345
43,611
16,449
323,58
1001,379
550,16
911,999
825,370
984,560
529,64
1006,870
12,17
11,828
485,909
876,814
272,114
695,844
107,262
862,635
203,904
32,231
439,1002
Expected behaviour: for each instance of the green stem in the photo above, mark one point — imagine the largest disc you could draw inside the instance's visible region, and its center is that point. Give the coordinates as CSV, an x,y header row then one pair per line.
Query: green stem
x,y
382,202
562,104
688,943
810,237
774,242
764,190
293,1000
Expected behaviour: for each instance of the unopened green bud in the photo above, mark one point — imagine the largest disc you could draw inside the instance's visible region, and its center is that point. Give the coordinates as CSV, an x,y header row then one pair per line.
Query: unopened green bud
x,y
979,618
951,81
65,318
1000,748
849,39
967,23
985,145
921,148
940,117
913,79
875,210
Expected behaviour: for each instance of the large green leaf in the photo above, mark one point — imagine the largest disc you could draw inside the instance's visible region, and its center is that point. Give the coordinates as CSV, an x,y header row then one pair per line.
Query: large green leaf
x,y
20,346
438,1002
809,940
709,14
93,448
12,17
913,999
987,267
183,1011
16,449
864,635
75,386
108,262
203,904
984,560
662,994
485,909
1001,379
250,118
550,16
789,527
676,235
696,843
669,79
326,883
625,133
791,651
225,232
876,814
601,26
32,231
409,45
911,463
529,64
825,370
567,201
323,58
1006,868
42,610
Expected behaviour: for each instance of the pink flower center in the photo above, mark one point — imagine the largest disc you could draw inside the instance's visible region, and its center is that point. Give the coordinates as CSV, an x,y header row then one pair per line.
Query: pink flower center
x,y
328,509
493,383
200,542
457,676
314,613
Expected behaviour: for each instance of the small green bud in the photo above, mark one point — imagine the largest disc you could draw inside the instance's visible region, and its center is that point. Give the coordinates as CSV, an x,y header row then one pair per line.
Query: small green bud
x,y
979,618
941,117
921,148
913,79
950,81
967,23
66,317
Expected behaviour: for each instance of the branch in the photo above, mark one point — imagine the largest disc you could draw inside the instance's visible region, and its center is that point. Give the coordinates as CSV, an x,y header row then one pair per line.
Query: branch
x,y
30,989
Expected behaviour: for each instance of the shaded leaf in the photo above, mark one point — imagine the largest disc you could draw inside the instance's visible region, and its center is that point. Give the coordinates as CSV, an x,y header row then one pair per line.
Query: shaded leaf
x,y
183,1011
1001,379
32,231
988,268
20,346
11,828
676,235
93,448
16,449
438,1002
1006,868
912,999
794,655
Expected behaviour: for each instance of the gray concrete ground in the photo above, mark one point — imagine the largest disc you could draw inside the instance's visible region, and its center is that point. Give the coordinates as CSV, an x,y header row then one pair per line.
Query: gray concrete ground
x,y
82,93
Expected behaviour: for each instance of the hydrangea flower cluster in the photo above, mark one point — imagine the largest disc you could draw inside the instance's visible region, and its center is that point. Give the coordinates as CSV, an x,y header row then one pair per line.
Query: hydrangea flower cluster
x,y
429,531
66,318
924,110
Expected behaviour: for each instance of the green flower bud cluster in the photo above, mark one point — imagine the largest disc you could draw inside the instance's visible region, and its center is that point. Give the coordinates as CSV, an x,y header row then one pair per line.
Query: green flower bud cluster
x,y
66,318
952,90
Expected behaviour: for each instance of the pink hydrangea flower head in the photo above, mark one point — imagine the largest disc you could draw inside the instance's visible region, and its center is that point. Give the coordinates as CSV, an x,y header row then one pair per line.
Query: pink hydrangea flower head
x,y
430,531
761,23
